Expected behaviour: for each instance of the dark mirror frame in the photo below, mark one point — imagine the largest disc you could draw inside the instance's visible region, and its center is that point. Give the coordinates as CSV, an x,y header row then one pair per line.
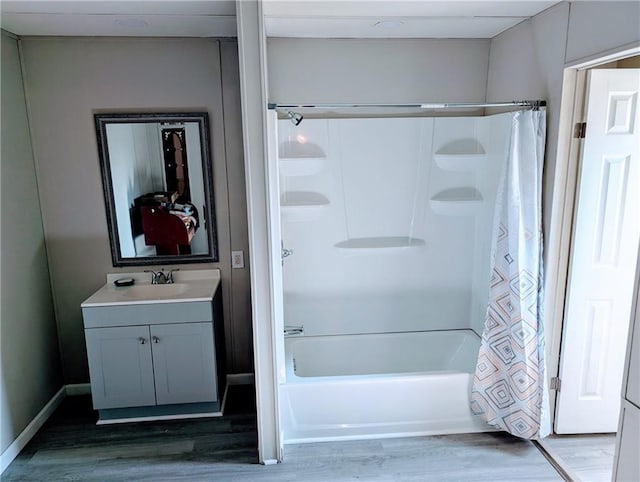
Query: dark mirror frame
x,y
208,218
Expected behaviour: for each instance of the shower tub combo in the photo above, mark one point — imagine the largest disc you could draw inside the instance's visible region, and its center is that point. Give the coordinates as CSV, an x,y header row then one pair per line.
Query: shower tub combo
x,y
343,387
390,220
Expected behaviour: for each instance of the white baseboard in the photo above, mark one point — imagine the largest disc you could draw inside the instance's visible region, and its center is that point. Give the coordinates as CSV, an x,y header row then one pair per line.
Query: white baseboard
x,y
30,430
157,418
240,379
78,389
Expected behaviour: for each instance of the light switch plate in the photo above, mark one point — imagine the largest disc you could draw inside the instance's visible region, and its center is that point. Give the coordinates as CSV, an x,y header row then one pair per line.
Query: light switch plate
x,y
237,259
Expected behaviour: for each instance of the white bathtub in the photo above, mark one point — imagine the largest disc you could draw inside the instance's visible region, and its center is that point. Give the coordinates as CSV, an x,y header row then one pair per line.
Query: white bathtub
x,y
378,385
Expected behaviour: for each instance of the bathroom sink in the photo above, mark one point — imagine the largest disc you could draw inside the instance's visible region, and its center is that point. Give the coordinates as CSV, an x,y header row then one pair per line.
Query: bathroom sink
x,y
154,291
189,286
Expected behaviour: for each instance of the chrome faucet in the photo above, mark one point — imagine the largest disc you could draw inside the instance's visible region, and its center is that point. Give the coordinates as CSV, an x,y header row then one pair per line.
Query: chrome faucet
x,y
169,276
290,330
155,276
160,277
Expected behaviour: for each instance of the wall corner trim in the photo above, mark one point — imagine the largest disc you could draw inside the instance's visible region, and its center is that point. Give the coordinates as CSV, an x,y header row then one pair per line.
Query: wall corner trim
x,y
30,430
253,76
240,379
74,389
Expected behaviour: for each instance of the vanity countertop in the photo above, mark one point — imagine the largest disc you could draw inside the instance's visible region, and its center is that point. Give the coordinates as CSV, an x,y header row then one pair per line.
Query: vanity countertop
x,y
188,286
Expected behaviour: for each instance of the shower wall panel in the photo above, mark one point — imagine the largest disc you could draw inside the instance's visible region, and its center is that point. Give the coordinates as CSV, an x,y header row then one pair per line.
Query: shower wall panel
x,y
389,220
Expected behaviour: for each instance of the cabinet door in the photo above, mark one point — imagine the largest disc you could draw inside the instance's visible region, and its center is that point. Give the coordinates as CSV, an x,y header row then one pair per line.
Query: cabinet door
x,y
120,367
184,363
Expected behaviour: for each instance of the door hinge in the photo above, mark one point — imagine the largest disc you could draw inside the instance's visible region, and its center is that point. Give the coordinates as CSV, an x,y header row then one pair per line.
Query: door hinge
x,y
555,383
580,130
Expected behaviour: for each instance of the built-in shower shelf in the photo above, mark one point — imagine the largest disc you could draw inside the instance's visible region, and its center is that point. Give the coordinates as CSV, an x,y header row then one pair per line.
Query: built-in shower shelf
x,y
458,201
302,205
300,158
461,155
381,242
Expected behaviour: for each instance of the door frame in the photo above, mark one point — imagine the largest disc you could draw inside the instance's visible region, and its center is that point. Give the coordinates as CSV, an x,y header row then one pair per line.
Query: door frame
x,y
566,178
264,247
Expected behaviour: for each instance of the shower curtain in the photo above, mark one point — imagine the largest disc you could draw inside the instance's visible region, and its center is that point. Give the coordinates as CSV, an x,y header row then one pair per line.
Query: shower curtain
x,y
509,388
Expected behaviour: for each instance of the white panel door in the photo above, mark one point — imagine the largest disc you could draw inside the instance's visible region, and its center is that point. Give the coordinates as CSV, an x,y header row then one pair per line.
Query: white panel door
x,y
184,363
603,257
120,367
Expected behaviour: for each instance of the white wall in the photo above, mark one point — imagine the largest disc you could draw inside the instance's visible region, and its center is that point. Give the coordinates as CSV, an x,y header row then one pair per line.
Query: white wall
x,y
30,371
70,79
376,70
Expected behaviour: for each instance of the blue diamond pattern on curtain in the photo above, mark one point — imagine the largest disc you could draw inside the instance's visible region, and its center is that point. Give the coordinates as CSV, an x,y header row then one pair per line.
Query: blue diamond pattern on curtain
x,y
509,389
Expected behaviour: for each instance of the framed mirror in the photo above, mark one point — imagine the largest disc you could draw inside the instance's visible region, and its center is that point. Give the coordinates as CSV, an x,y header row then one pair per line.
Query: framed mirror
x,y
158,187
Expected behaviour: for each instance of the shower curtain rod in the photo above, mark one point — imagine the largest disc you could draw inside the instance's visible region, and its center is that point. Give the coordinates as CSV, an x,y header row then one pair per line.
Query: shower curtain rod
x,y
534,104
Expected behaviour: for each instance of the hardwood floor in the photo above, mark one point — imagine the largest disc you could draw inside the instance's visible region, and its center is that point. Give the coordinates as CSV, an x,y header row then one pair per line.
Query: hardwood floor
x,y
70,447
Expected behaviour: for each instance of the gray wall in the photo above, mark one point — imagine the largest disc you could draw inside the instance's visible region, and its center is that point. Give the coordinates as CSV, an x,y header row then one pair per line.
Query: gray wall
x,y
597,27
528,61
241,336
68,80
377,70
30,371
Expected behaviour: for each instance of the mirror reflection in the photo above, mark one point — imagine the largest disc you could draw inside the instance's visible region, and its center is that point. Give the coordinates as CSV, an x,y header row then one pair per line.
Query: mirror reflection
x,y
157,183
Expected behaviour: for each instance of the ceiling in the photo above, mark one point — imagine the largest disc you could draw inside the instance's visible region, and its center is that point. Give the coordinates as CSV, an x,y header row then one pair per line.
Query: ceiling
x,y
396,19
120,18
283,18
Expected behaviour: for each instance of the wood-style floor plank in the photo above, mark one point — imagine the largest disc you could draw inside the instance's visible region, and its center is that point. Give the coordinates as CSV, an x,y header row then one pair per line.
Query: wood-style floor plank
x,y
70,447
588,456
473,457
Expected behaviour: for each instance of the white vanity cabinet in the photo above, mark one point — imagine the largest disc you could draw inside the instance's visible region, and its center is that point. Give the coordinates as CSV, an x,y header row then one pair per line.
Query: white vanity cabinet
x,y
155,357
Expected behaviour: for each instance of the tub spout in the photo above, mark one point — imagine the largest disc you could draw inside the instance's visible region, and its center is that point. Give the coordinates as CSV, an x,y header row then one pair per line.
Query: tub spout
x,y
290,330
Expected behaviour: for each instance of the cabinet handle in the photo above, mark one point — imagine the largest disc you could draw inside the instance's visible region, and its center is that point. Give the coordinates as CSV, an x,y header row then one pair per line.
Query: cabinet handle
x,y
155,339
142,340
